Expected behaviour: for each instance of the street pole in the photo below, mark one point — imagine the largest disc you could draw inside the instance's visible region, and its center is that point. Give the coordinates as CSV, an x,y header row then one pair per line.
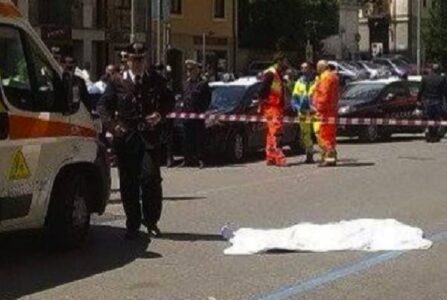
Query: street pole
x,y
149,58
159,39
132,21
204,51
419,45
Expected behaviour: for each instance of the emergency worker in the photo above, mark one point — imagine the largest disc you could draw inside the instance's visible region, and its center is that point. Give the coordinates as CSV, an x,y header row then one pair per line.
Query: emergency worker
x,y
302,104
133,109
325,101
272,95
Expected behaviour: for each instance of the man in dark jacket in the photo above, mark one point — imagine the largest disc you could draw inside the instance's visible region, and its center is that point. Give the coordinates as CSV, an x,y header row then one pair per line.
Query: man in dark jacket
x,y
431,96
133,109
196,99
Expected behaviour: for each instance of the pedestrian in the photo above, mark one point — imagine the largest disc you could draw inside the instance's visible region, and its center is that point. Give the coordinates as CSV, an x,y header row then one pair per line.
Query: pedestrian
x,y
431,96
167,136
302,104
196,99
325,101
272,95
71,70
98,88
132,109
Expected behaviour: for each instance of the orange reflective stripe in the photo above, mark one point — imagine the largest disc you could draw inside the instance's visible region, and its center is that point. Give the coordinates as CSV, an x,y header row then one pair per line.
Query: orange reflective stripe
x,y
8,10
28,128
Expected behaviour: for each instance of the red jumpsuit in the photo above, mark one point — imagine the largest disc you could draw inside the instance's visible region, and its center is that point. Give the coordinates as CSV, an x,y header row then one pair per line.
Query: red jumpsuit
x,y
325,100
273,109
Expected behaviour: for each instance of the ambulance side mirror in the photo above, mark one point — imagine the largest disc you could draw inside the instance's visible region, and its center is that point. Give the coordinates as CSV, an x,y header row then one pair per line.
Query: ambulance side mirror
x,y
71,94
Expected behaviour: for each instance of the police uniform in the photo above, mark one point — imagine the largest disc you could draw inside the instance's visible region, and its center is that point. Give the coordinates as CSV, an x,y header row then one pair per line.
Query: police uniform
x,y
126,103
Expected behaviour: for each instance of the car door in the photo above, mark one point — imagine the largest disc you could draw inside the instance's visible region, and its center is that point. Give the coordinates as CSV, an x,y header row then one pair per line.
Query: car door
x,y
395,102
256,130
34,110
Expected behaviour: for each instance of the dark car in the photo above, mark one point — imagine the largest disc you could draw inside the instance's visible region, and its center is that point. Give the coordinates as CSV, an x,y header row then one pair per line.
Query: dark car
x,y
392,98
233,141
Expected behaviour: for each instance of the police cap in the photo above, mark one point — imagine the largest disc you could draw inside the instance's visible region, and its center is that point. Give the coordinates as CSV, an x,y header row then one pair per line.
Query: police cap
x,y
136,50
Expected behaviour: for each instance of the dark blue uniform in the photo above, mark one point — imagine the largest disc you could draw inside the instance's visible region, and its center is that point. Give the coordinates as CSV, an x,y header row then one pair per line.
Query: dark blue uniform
x,y
127,103
196,99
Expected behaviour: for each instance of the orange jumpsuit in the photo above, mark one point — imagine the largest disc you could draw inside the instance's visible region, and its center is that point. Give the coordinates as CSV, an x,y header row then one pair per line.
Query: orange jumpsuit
x,y
273,109
325,100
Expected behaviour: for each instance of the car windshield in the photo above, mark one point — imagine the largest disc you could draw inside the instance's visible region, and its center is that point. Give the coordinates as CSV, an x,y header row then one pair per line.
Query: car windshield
x,y
226,97
371,65
362,92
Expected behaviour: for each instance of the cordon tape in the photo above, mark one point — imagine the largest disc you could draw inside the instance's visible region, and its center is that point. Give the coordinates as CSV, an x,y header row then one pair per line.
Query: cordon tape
x,y
291,120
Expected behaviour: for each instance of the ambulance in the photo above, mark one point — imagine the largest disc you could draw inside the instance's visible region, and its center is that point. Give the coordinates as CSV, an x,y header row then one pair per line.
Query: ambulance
x,y
53,170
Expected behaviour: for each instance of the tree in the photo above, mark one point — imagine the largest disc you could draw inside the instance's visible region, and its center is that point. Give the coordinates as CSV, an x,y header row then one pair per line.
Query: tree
x,y
286,24
435,33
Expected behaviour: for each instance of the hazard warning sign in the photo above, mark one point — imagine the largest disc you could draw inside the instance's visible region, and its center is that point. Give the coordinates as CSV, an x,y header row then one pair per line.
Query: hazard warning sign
x,y
19,169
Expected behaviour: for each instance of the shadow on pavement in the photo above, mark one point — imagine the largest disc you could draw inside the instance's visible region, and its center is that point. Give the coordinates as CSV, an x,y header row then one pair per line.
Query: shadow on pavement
x,y
117,198
191,237
355,164
27,266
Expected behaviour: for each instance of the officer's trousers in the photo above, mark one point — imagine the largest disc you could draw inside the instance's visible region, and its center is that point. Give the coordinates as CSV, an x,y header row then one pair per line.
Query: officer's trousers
x,y
194,141
140,178
275,127
433,111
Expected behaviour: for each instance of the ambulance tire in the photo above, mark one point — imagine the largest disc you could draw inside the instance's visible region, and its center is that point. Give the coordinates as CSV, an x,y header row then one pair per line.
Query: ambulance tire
x,y
68,218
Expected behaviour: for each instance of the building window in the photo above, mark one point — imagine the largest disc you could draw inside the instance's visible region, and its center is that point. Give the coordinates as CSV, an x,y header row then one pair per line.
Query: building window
x,y
123,14
219,9
176,7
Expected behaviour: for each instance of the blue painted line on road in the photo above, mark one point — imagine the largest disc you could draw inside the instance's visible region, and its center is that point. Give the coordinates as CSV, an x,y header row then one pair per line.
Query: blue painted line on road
x,y
365,264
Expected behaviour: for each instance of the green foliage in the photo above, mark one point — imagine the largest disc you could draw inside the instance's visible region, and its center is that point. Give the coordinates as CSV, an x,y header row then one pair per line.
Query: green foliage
x,y
286,24
435,33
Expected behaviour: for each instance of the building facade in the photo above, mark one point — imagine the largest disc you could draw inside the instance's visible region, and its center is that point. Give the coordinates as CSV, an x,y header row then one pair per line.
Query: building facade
x,y
391,28
345,45
204,30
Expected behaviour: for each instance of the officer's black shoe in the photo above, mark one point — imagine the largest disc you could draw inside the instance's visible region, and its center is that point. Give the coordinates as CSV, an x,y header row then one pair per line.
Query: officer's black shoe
x,y
154,231
185,164
132,235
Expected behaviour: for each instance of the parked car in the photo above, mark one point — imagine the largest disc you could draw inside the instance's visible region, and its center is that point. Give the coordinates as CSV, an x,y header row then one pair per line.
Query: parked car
x,y
257,67
233,141
398,66
348,72
375,71
386,98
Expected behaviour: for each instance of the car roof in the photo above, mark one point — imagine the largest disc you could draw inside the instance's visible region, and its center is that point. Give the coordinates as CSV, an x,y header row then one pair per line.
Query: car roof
x,y
243,81
389,80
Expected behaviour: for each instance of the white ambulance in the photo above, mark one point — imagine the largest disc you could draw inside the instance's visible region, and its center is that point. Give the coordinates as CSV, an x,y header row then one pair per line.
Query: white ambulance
x,y
53,170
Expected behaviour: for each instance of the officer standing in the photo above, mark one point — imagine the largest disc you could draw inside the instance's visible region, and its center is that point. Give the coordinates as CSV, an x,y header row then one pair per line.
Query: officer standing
x,y
431,96
196,99
133,109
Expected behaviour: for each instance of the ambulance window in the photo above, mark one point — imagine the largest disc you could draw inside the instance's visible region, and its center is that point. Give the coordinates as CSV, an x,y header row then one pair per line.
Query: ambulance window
x,y
44,80
14,73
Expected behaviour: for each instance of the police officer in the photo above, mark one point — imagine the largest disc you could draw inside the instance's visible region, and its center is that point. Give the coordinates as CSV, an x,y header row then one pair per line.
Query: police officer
x,y
133,109
196,99
431,96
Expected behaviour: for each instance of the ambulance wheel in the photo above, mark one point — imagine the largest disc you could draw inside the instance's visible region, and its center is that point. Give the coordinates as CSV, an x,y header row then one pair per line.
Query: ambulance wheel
x,y
236,150
68,218
369,134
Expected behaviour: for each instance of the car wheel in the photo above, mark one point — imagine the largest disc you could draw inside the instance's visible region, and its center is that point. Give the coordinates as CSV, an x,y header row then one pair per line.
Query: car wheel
x,y
68,218
369,134
236,150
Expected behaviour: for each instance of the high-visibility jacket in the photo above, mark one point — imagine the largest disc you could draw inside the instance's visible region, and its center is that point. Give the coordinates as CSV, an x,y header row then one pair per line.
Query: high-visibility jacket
x,y
276,94
327,94
302,94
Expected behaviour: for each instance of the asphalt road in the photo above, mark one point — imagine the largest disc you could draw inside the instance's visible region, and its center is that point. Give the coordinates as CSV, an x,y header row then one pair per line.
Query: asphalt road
x,y
405,179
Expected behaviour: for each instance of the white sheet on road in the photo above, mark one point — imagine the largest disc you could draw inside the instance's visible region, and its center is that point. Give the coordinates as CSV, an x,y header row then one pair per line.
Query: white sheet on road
x,y
361,235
